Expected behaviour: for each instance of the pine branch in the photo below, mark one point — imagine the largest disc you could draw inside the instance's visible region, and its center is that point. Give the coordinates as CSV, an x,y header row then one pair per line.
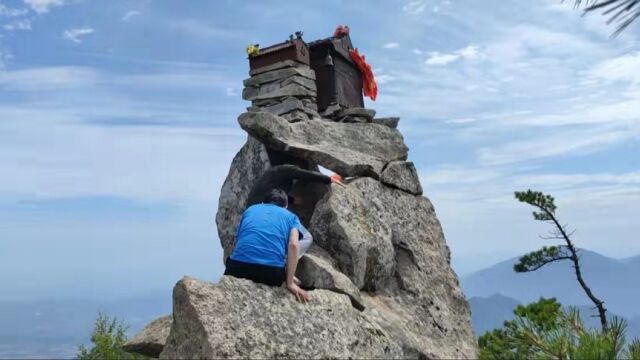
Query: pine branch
x,y
620,12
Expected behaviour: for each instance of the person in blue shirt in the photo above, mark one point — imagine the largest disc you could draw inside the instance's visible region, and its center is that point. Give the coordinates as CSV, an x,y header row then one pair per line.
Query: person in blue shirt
x,y
267,245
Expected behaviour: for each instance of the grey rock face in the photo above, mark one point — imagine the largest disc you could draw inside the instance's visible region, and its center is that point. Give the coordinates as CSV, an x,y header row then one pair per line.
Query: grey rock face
x,y
345,225
237,318
418,300
267,77
276,91
310,84
349,149
391,122
366,114
316,271
284,107
278,65
251,162
150,341
402,175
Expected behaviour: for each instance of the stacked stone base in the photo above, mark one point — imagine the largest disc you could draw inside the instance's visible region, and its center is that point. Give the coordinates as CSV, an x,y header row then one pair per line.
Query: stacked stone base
x,y
286,89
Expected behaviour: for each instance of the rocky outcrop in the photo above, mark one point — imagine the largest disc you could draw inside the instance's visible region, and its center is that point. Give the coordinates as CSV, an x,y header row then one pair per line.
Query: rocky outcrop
x,y
402,175
350,149
247,166
391,122
151,340
379,271
316,271
237,318
390,243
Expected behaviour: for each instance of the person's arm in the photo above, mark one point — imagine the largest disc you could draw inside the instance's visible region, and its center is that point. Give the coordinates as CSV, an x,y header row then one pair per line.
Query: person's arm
x,y
292,264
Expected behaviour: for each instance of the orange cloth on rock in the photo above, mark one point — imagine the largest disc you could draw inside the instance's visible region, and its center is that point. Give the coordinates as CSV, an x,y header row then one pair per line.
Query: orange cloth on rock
x,y
369,86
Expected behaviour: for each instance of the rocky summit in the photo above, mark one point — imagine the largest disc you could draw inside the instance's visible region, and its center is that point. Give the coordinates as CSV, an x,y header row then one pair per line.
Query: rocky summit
x,y
379,271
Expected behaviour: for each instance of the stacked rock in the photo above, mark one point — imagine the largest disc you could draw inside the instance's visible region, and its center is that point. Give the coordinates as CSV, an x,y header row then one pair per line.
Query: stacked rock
x,y
286,89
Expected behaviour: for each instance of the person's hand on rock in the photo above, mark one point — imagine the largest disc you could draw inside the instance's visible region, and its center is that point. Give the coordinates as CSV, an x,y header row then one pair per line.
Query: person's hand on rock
x,y
337,179
300,294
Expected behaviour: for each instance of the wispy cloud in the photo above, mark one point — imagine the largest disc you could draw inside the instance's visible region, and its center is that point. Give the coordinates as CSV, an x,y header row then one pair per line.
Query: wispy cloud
x,y
9,12
24,24
470,52
625,68
5,56
129,15
390,45
437,58
415,6
43,6
75,35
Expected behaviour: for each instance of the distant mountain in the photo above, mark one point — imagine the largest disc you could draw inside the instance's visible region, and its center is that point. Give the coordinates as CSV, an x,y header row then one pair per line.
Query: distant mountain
x,y
615,281
54,329
491,312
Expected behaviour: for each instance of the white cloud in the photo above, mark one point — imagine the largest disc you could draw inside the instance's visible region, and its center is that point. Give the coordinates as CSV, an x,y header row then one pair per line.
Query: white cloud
x,y
391,45
624,68
43,6
75,34
563,143
470,52
415,6
24,24
129,15
8,12
436,58
110,126
384,78
231,91
5,56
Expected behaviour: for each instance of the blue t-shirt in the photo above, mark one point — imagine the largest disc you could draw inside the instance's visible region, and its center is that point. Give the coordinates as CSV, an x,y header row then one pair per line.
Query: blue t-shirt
x,y
263,235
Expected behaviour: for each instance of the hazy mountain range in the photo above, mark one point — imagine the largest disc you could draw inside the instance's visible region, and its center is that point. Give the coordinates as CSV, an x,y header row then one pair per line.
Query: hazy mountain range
x,y
491,312
615,281
494,292
54,329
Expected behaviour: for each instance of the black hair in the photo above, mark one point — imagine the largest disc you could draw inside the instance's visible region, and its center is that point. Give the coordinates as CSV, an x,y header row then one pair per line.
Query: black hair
x,y
277,197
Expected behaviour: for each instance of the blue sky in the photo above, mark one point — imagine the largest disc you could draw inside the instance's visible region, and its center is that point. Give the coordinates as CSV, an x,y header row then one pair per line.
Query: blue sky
x,y
118,126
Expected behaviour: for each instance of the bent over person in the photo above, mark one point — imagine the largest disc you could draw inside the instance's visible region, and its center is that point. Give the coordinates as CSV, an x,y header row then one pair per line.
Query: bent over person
x,y
267,245
283,177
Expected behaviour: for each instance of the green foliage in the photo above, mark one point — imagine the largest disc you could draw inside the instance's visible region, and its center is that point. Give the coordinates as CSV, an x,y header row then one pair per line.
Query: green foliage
x,y
536,259
538,199
541,330
108,337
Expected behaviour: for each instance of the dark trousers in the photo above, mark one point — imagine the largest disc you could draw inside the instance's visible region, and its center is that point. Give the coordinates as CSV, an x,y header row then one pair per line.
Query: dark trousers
x,y
263,274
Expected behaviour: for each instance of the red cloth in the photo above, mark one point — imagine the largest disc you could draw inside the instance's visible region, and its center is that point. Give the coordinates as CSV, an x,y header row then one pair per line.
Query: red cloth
x,y
369,86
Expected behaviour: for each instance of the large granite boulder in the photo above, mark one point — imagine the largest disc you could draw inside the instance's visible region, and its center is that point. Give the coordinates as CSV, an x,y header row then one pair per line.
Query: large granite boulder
x,y
316,270
150,341
237,318
251,162
392,241
351,149
402,175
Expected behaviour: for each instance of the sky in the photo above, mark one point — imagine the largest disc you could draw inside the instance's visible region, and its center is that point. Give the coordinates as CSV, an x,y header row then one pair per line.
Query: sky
x,y
118,126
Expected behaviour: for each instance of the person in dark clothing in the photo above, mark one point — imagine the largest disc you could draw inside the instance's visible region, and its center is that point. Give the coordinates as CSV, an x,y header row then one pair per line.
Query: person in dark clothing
x,y
267,245
283,177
